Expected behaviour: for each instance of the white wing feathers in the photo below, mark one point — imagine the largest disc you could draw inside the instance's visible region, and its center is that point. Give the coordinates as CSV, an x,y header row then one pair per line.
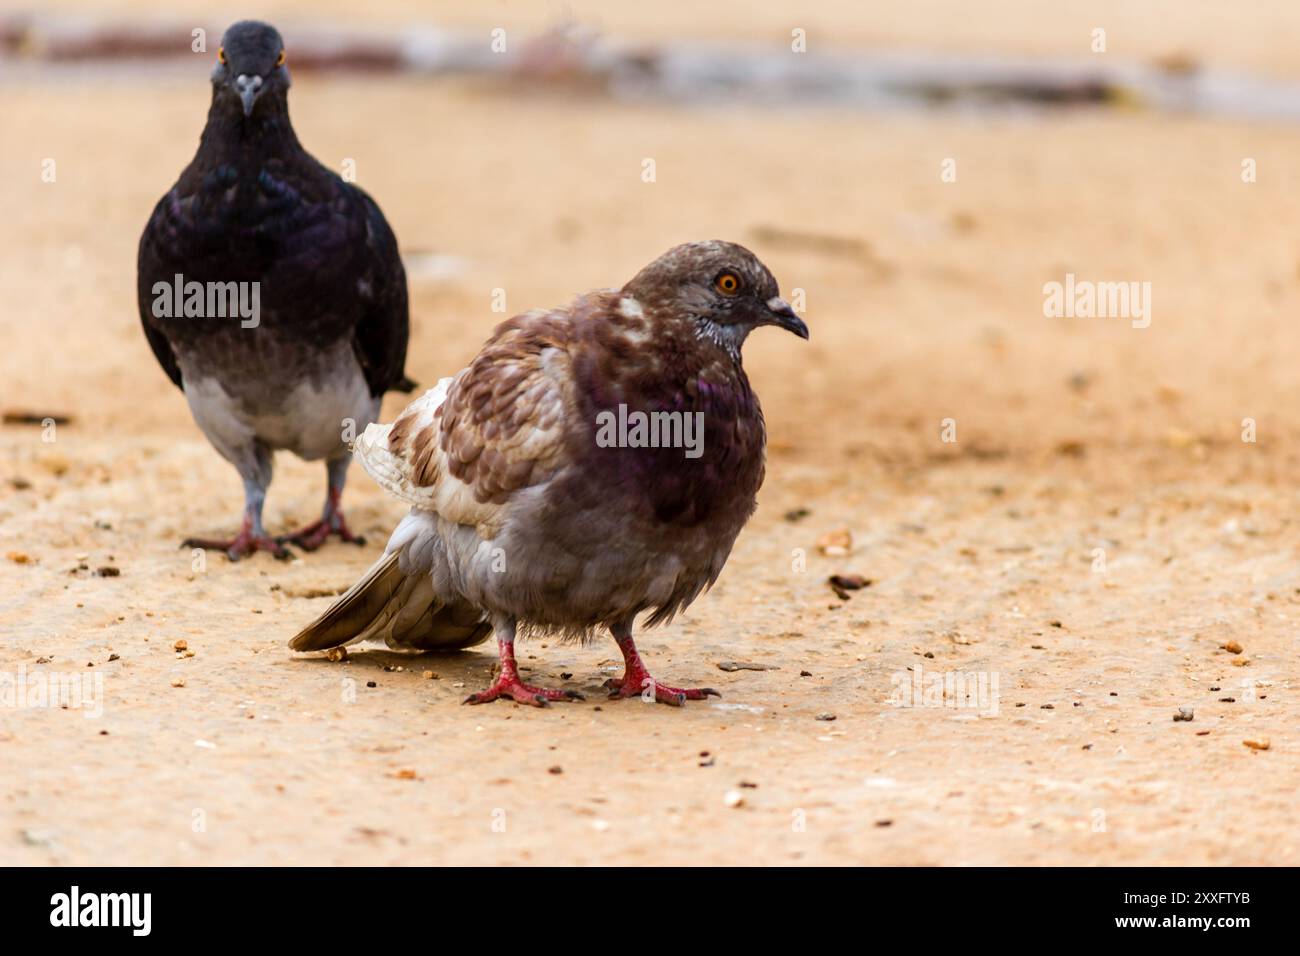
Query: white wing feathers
x,y
392,472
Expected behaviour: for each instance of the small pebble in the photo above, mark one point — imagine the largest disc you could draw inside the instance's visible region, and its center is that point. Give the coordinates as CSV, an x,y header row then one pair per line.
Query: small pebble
x,y
1261,744
1184,713
837,543
178,681
1232,647
842,584
733,798
180,646
38,837
336,654
826,716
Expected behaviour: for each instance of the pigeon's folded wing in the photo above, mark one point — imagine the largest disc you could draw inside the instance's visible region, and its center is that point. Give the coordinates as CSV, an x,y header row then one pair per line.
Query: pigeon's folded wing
x,y
383,329
151,262
499,427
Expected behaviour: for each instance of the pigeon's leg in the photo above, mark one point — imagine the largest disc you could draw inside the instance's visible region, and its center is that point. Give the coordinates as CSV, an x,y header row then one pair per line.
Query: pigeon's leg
x,y
636,680
331,520
508,683
252,536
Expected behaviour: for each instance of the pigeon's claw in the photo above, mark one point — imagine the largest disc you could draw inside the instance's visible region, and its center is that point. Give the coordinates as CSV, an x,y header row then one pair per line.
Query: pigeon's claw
x,y
241,546
515,689
641,687
315,534
637,682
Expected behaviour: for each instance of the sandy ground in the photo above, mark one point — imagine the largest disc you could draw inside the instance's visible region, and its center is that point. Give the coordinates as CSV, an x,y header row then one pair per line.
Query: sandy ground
x,y
1073,435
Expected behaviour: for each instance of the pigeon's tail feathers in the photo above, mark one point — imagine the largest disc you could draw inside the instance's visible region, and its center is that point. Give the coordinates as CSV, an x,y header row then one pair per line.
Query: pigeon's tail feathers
x,y
397,608
352,615
391,469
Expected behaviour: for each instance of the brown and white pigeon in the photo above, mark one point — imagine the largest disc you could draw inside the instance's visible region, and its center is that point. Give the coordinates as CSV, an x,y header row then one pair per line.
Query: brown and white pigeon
x,y
592,463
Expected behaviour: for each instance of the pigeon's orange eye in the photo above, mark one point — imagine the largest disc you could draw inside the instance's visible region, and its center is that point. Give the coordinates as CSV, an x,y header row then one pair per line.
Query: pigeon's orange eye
x,y
728,283
221,54
279,61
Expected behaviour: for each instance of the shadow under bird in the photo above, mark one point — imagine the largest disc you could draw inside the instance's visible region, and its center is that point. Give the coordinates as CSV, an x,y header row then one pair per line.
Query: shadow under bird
x,y
272,292
592,463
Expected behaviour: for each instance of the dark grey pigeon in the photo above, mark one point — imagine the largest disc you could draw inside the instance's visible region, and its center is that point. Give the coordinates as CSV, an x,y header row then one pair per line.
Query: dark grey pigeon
x,y
592,463
271,292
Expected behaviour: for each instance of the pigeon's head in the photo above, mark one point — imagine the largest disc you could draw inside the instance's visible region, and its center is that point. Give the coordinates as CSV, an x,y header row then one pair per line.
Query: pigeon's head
x,y
250,66
721,286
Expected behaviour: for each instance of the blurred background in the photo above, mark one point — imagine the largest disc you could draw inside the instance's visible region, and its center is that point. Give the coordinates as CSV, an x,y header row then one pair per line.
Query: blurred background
x,y
506,142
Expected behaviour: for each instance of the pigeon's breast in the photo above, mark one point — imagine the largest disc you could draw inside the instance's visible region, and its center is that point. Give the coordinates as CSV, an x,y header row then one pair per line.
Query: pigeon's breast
x,y
310,403
296,249
636,522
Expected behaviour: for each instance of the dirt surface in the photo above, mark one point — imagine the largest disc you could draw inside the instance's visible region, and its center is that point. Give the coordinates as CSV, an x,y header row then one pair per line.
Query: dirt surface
x,y
1096,533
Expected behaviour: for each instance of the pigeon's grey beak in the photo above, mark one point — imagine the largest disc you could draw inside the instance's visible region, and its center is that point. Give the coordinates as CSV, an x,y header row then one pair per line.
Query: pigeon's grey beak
x,y
248,87
784,316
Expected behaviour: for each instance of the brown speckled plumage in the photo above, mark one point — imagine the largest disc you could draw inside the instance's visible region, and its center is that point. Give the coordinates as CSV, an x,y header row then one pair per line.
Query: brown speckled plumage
x,y
519,511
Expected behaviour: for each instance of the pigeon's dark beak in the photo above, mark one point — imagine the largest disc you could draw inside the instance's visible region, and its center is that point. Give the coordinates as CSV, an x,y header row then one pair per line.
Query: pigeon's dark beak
x,y
782,315
248,88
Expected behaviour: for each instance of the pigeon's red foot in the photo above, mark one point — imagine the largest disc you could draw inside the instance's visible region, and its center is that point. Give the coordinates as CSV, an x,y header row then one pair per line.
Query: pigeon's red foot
x,y
639,686
509,685
242,545
314,535
515,689
637,682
